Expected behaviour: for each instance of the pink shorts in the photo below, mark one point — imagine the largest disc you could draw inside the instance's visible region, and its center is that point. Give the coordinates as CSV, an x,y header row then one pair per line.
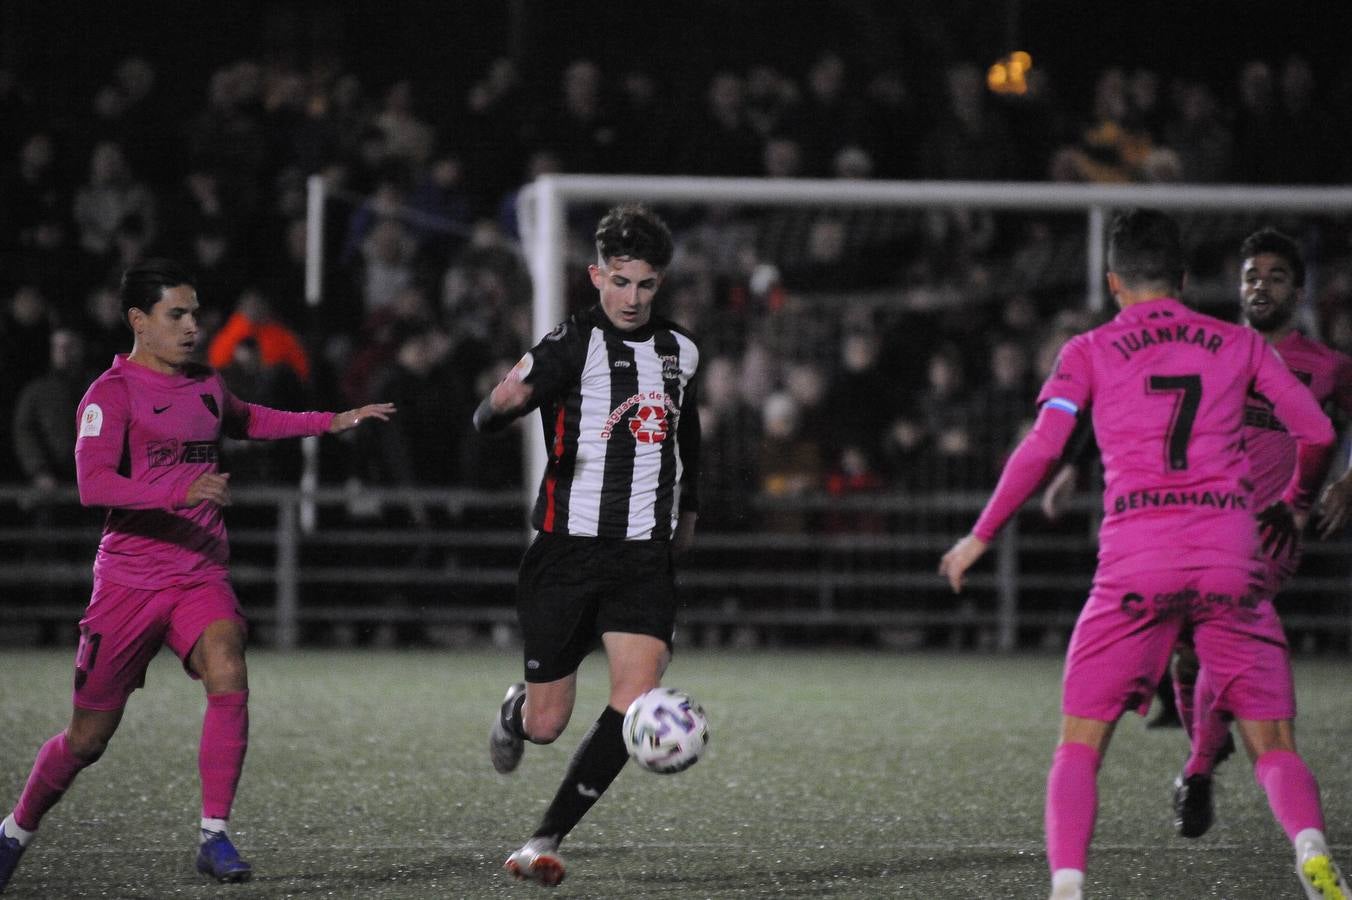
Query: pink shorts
x,y
124,627
1128,628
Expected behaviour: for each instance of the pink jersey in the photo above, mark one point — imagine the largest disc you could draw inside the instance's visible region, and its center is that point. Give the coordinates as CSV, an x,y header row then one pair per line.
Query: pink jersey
x,y
143,438
1166,388
1272,450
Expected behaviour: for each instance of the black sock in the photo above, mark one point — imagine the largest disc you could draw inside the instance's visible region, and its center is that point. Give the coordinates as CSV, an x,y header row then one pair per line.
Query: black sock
x,y
512,718
597,761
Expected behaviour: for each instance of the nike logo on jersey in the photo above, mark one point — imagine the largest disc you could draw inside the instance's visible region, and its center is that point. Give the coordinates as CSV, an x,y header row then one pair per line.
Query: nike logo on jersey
x,y
159,409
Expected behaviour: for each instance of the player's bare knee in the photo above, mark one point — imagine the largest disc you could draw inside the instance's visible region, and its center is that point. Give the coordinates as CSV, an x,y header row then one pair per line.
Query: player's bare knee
x,y
544,728
87,747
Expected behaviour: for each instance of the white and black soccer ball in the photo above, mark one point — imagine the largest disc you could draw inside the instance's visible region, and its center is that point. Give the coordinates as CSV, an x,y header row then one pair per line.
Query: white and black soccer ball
x,y
665,730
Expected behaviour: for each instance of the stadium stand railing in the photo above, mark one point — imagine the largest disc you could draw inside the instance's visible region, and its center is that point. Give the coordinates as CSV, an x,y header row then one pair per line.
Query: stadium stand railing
x,y
860,569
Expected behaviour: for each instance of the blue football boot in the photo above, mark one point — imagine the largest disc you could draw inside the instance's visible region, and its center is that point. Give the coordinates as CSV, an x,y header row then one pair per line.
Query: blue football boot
x,y
219,860
10,852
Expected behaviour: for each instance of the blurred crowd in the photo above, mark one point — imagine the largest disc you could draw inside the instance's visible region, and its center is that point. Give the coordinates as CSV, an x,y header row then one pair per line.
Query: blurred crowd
x,y
845,350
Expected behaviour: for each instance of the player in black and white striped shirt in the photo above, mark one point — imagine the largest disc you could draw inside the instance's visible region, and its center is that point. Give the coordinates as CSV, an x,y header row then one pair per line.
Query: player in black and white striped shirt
x,y
615,388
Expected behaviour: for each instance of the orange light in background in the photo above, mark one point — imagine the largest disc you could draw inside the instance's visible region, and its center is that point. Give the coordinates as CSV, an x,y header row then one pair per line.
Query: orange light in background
x,y
1009,74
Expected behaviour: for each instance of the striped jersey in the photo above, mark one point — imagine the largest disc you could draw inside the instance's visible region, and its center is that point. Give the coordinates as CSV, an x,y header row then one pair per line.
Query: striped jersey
x,y
621,427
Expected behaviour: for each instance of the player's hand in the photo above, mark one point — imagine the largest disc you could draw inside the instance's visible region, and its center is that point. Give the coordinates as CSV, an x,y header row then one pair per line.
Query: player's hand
x,y
684,538
1058,492
209,487
1335,506
1280,528
345,421
512,394
959,559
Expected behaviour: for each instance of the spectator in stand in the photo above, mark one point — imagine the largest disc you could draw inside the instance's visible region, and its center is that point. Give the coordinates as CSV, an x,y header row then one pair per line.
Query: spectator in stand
x,y
219,265
720,140
954,458
971,141
101,326
1260,140
44,414
580,129
1198,135
828,118
1001,403
770,97
109,196
643,127
790,464
1114,146
1311,143
729,436
275,343
253,380
388,254
889,126
490,131
407,137
31,191
442,216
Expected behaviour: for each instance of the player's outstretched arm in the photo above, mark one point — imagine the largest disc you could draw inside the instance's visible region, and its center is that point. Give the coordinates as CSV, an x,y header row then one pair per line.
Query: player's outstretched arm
x,y
346,421
961,557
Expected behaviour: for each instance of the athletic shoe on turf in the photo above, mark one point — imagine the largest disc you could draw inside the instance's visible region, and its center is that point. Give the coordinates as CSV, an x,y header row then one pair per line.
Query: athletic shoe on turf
x,y
10,852
538,860
504,746
1319,874
218,859
1194,805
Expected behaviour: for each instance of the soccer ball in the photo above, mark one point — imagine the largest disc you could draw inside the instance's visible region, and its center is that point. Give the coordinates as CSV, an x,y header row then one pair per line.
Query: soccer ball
x,y
665,730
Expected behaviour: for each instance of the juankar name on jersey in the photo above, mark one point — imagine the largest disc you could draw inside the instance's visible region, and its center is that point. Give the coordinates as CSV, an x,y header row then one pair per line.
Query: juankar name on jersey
x,y
621,426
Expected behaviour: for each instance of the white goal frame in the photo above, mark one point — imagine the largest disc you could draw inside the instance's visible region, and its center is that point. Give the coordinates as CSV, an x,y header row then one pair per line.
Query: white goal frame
x,y
543,205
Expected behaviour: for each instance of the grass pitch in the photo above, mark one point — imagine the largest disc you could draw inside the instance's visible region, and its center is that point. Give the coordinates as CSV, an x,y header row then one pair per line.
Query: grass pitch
x,y
829,774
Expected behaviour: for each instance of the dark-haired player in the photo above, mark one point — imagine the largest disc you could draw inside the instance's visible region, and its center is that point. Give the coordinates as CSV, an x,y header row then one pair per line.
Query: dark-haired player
x,y
148,433
1167,389
1272,276
614,386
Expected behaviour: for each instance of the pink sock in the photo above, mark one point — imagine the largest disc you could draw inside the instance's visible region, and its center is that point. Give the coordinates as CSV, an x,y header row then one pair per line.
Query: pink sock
x,y
220,759
1291,790
1209,731
1072,805
53,772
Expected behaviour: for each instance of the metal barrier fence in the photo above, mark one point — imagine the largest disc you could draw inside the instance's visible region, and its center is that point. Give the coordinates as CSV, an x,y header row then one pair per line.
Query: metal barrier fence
x,y
816,569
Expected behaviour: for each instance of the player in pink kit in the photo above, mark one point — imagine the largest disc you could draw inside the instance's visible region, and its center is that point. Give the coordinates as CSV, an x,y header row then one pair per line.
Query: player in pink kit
x,y
146,448
1166,389
1272,278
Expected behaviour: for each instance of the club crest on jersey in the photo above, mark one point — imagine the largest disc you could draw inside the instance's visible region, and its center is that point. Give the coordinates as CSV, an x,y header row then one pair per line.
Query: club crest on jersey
x,y
210,402
161,453
671,368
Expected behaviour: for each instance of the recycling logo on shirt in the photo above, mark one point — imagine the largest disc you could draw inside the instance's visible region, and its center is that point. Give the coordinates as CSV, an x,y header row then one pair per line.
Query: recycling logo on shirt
x,y
649,425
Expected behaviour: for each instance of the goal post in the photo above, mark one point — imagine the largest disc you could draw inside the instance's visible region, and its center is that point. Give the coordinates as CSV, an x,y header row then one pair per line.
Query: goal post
x,y
543,208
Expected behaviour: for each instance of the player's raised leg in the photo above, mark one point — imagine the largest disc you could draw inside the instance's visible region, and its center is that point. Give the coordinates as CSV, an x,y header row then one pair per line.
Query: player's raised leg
x,y
218,658
637,662
61,758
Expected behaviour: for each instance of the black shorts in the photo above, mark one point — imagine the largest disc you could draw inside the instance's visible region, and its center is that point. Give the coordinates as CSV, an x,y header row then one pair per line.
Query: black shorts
x,y
571,590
